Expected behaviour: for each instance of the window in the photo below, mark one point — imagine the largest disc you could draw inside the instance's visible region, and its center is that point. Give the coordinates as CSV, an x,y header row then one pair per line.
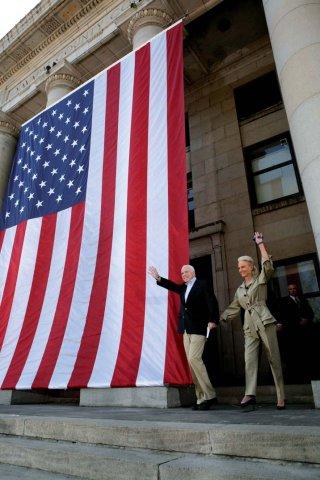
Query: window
x,y
260,95
190,202
203,268
272,172
187,131
304,272
191,219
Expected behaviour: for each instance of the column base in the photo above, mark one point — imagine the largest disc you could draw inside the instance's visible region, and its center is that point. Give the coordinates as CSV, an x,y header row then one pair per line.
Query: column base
x,y
39,396
316,392
154,397
5,397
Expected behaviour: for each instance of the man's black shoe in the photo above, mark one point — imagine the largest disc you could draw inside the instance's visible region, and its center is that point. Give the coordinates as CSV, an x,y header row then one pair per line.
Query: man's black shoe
x,y
195,406
207,404
251,401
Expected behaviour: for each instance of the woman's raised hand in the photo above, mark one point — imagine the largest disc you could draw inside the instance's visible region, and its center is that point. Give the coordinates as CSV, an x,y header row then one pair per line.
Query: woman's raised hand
x,y
257,238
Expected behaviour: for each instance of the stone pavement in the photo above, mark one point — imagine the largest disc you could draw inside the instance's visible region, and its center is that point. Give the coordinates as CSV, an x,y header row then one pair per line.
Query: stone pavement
x,y
294,415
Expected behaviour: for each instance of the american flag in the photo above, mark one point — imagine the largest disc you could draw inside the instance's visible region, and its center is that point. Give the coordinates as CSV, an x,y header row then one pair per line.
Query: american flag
x,y
97,193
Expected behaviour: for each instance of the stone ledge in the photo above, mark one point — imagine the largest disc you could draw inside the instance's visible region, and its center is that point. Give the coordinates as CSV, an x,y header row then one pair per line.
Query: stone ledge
x,y
155,397
278,204
206,230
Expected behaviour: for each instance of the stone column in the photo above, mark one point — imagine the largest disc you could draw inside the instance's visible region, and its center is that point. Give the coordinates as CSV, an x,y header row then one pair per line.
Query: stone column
x,y
9,132
58,85
145,24
294,28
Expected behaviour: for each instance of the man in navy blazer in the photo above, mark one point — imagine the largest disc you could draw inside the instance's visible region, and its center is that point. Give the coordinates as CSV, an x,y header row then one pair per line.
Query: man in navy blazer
x,y
198,312
296,333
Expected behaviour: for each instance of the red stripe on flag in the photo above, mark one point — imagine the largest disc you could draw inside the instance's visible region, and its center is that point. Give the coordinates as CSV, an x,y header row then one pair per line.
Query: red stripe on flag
x,y
60,320
2,232
11,280
177,204
36,297
91,335
129,353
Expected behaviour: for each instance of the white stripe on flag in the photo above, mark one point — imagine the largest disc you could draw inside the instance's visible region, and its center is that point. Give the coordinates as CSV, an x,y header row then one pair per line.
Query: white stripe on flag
x,y
21,294
89,244
5,256
50,301
151,369
112,324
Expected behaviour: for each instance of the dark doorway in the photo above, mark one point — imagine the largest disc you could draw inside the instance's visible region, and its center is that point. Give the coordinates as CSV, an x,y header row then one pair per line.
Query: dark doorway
x,y
298,316
203,268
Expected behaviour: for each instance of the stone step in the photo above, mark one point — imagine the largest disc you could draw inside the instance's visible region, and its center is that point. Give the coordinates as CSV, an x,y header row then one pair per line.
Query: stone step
x,y
274,442
159,397
96,462
193,467
11,472
295,394
92,462
170,397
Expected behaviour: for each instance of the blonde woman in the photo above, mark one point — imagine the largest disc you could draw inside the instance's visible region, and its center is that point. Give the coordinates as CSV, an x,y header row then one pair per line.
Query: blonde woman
x,y
259,324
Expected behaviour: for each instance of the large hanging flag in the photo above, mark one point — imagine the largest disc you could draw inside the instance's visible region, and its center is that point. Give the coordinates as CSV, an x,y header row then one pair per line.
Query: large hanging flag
x,y
97,193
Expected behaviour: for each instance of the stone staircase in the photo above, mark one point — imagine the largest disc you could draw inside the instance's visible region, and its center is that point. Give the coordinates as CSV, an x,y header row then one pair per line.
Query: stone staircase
x,y
41,447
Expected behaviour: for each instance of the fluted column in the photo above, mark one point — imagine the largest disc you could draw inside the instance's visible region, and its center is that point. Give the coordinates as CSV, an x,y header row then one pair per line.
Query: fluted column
x,y
58,85
294,28
145,24
9,132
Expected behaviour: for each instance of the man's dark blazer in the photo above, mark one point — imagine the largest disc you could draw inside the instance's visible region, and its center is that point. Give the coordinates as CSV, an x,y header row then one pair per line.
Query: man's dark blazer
x,y
201,306
292,312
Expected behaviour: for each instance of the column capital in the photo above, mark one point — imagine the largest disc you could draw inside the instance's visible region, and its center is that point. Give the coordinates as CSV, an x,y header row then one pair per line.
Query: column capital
x,y
7,125
147,17
9,131
64,79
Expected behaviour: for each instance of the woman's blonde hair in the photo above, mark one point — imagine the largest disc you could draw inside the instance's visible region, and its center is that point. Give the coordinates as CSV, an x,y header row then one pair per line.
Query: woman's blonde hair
x,y
246,258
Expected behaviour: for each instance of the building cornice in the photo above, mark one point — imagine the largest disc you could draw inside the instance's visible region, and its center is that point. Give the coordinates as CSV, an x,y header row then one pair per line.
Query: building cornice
x,y
51,38
28,23
207,230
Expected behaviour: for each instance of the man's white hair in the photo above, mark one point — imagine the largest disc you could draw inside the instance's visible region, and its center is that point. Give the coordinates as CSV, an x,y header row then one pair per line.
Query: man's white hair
x,y
190,267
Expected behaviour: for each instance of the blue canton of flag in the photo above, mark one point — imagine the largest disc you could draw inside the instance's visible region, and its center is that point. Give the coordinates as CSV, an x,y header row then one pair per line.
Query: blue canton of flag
x,y
50,166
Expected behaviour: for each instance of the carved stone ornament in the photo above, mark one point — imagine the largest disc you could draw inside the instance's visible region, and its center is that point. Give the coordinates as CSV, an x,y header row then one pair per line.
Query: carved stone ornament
x,y
10,128
148,16
62,79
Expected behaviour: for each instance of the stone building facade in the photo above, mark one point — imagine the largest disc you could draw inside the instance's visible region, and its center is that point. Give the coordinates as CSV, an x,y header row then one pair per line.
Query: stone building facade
x,y
252,95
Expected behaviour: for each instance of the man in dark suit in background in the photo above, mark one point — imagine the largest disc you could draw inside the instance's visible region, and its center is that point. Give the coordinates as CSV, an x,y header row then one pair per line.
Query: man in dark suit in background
x,y
199,313
294,327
